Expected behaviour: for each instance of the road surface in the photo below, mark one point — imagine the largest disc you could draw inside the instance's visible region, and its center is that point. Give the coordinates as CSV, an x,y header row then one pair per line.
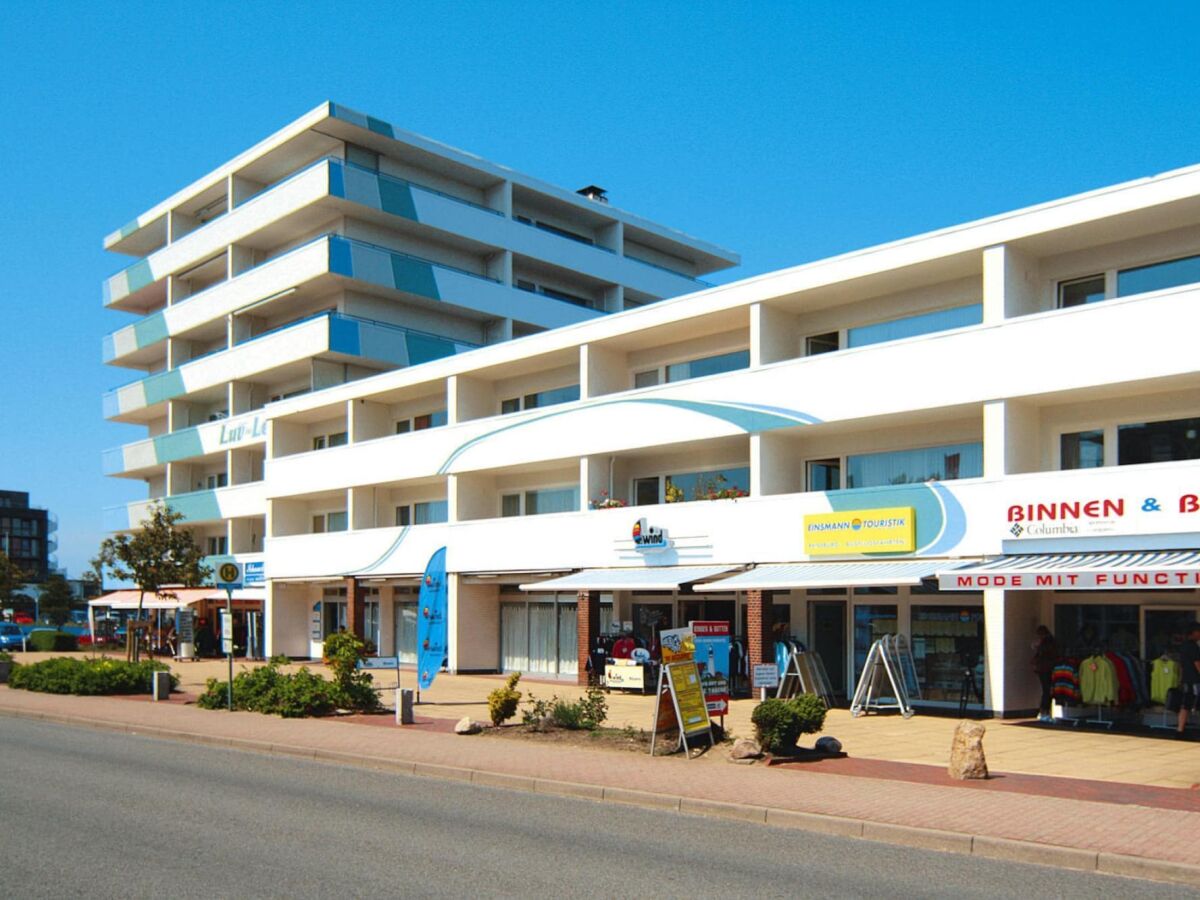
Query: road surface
x,y
99,814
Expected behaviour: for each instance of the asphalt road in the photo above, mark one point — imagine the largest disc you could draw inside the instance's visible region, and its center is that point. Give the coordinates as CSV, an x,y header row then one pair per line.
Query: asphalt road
x,y
101,814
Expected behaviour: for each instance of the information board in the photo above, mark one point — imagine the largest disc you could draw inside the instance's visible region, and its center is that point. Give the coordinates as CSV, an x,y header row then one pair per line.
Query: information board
x,y
685,684
765,675
226,632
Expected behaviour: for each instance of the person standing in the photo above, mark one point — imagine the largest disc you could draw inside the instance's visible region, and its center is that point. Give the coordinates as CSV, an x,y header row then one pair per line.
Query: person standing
x,y
1045,654
1189,669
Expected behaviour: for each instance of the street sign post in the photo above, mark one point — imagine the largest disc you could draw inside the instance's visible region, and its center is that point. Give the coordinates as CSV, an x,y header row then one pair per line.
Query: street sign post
x,y
229,577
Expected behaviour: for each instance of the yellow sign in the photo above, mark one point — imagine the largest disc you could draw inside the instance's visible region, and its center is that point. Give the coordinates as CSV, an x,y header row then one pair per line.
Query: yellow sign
x,y
892,530
685,683
677,644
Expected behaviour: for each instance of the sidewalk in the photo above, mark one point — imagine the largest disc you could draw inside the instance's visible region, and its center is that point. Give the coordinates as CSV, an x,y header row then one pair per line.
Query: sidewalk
x,y
1114,837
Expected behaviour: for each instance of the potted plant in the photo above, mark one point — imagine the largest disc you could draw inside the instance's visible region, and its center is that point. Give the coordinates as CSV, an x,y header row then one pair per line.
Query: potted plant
x,y
607,502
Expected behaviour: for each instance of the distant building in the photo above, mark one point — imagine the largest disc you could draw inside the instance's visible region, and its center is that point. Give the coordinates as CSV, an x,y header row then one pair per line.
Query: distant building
x,y
25,535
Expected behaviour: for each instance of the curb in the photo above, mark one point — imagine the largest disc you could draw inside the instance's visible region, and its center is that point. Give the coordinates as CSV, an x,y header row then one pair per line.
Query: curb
x,y
983,846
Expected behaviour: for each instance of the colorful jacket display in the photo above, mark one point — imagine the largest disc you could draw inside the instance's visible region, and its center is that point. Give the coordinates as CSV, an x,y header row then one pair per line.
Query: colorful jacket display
x,y
1064,682
1098,684
1164,675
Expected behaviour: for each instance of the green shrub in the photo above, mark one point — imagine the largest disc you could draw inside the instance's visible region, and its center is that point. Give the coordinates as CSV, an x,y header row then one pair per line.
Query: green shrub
x,y
503,701
778,724
352,689
88,677
587,713
5,656
298,695
52,641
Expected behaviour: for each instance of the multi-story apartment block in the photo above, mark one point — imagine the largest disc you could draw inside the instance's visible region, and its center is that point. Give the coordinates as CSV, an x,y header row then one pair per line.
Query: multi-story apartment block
x,y
954,437
26,535
341,247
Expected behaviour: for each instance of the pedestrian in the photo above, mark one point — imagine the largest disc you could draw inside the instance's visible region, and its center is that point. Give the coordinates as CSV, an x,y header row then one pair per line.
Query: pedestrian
x,y
1189,669
1045,654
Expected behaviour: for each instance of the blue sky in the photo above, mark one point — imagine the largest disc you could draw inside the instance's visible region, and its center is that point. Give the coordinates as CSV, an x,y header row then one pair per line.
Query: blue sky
x,y
787,132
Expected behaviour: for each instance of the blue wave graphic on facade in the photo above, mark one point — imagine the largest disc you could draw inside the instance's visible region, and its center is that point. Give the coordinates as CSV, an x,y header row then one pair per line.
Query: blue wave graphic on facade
x,y
941,519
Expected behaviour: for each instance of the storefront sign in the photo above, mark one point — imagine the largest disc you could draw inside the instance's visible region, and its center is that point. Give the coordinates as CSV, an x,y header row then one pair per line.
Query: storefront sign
x,y
1097,515
254,573
685,684
712,657
678,645
891,530
431,620
626,677
649,537
765,675
1122,580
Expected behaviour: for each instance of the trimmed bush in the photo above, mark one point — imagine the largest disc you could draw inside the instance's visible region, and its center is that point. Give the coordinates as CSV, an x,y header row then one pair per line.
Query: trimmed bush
x,y
52,641
353,689
298,695
502,702
87,677
778,724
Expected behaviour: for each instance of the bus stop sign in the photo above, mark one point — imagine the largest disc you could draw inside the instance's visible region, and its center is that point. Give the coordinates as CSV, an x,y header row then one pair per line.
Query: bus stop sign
x,y
229,575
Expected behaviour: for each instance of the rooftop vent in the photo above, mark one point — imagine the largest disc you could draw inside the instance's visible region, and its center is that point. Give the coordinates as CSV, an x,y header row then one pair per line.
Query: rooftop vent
x,y
592,192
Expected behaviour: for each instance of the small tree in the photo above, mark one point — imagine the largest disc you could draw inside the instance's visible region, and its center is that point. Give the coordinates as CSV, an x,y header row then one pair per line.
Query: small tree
x,y
11,579
56,600
159,553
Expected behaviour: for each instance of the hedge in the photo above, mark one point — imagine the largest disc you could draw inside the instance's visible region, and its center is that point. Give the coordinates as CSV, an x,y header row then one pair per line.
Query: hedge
x,y
66,675
52,641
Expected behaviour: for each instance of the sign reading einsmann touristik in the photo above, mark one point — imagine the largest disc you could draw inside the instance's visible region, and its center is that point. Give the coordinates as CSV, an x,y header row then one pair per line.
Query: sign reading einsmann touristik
x,y
891,530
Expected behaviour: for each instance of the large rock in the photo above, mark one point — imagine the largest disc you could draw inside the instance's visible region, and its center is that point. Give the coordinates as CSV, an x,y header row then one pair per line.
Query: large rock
x,y
745,748
465,725
966,752
829,744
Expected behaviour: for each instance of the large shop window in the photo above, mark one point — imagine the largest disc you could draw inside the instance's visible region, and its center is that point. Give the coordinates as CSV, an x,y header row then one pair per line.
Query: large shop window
x,y
1151,442
1081,628
540,502
539,636
915,466
947,641
871,622
1158,276
912,326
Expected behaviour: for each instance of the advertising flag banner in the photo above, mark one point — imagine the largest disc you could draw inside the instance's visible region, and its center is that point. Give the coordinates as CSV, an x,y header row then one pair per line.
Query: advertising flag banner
x,y
712,657
432,625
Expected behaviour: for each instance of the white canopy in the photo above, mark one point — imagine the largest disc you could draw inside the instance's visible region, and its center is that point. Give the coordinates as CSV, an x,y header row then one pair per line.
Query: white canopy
x,y
829,574
646,578
1133,570
170,598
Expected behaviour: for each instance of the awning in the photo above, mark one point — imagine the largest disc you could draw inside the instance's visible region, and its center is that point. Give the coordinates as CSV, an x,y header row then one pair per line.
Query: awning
x,y
183,597
829,574
1135,570
646,578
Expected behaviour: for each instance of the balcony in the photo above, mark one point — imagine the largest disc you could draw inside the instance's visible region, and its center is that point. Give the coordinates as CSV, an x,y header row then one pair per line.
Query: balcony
x,y
139,458
197,507
331,186
283,352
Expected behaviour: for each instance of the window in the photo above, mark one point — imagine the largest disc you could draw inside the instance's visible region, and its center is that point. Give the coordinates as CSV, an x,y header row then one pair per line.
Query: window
x,y
710,485
403,516
911,326
431,512
914,466
1082,450
554,293
329,521
550,397
816,344
435,419
645,379
214,481
1152,442
361,156
1079,291
1158,276
824,474
218,546
323,441
540,502
645,491
709,365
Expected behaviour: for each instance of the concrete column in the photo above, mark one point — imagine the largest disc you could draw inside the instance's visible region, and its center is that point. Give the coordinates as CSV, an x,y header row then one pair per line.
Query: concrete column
x,y
759,619
1011,438
602,371
1010,284
587,629
774,335
355,599
469,398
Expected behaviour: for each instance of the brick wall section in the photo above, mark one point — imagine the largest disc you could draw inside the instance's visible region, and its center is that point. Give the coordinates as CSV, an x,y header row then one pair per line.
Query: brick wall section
x,y
759,615
355,602
587,628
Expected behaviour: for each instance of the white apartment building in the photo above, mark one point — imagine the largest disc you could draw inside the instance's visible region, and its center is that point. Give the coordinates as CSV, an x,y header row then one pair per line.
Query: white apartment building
x,y
338,248
955,437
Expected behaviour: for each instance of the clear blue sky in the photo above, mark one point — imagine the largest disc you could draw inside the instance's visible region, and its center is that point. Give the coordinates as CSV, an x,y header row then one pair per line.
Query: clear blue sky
x,y
786,131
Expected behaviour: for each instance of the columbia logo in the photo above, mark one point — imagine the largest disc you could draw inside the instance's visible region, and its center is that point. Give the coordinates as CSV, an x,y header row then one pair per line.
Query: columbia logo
x,y
1017,530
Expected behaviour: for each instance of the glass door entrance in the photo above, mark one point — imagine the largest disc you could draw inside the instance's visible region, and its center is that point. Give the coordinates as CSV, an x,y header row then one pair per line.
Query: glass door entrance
x,y
827,633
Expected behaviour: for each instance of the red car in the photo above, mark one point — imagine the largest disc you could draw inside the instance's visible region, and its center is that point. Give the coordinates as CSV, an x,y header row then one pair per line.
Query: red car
x,y
23,618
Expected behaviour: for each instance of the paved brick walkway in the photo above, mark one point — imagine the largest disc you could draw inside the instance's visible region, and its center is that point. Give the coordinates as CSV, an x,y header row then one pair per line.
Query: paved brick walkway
x,y
1064,822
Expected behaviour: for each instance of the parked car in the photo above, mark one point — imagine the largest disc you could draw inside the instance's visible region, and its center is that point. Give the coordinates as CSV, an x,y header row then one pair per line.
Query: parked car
x,y
11,637
23,618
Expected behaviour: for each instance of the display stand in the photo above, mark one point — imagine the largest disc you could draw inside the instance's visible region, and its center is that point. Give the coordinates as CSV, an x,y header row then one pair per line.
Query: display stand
x,y
805,673
884,667
680,684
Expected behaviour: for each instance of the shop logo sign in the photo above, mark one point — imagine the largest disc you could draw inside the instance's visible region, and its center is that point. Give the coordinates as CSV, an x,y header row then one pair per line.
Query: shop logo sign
x,y
649,537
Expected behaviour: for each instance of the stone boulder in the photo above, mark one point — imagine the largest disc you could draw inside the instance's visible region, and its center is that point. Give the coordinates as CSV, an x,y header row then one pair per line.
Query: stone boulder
x,y
466,726
745,749
966,752
828,744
